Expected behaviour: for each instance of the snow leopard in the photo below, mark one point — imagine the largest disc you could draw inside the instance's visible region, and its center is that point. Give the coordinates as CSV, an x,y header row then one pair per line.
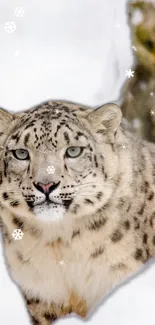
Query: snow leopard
x,y
77,205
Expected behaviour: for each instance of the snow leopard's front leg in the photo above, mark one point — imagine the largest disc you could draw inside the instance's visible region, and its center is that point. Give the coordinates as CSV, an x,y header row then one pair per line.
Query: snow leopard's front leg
x,y
44,314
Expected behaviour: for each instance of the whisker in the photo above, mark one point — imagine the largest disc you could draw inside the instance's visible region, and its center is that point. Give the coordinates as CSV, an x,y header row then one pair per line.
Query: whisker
x,y
85,193
93,183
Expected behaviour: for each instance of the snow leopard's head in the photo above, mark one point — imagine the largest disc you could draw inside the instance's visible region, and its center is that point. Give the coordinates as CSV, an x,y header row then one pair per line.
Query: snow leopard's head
x,y
58,158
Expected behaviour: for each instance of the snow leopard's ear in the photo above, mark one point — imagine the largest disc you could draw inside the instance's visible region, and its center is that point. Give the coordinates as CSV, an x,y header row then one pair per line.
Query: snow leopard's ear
x,y
105,119
6,123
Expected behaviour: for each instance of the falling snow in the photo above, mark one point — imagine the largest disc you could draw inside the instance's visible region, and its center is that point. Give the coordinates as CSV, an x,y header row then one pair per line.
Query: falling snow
x,y
19,12
51,169
17,234
134,48
61,262
124,146
129,73
152,112
10,27
151,93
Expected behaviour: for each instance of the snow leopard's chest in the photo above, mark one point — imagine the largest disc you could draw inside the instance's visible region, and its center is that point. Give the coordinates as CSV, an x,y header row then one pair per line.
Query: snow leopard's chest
x,y
53,272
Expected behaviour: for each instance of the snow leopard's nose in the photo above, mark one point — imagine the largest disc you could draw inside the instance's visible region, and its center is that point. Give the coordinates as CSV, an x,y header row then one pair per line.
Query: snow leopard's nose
x,y
46,188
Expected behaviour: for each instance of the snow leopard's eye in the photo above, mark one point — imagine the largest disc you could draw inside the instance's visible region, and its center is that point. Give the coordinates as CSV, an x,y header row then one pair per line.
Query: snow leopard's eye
x,y
74,152
21,154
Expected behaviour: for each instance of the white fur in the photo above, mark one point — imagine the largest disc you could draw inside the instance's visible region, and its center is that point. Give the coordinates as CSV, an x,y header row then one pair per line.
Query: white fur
x,y
49,213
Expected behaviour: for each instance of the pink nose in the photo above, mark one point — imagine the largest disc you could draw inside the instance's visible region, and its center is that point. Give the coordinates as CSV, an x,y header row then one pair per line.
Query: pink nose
x,y
45,187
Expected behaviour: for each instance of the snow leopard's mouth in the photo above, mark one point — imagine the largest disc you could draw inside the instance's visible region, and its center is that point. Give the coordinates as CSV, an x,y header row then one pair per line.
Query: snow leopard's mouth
x,y
53,203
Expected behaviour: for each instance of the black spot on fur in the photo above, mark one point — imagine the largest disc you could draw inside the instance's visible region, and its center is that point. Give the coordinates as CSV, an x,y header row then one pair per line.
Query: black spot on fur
x,y
26,139
112,146
14,203
66,136
79,134
153,240
58,127
65,167
95,160
76,233
138,255
97,224
1,179
35,232
126,224
67,126
145,238
14,136
35,321
5,168
98,251
151,196
118,266
152,220
50,317
18,222
75,208
20,256
137,223
31,301
140,212
88,201
5,196
146,186
116,236
147,254
129,207
29,125
6,235
99,195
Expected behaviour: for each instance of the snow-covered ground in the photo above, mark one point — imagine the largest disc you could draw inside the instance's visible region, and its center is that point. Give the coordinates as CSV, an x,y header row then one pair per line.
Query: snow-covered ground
x,y
77,50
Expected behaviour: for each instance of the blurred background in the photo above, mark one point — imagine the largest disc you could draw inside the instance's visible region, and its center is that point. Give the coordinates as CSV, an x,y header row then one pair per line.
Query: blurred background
x,y
66,49
76,50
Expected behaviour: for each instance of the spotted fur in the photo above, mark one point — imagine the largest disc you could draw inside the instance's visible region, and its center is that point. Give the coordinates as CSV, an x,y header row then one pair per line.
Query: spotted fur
x,y
101,214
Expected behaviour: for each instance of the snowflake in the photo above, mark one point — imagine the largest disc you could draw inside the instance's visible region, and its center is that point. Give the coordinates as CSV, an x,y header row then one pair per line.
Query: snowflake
x,y
129,73
19,12
117,25
61,262
51,169
10,27
124,146
17,234
151,93
57,111
134,48
152,112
